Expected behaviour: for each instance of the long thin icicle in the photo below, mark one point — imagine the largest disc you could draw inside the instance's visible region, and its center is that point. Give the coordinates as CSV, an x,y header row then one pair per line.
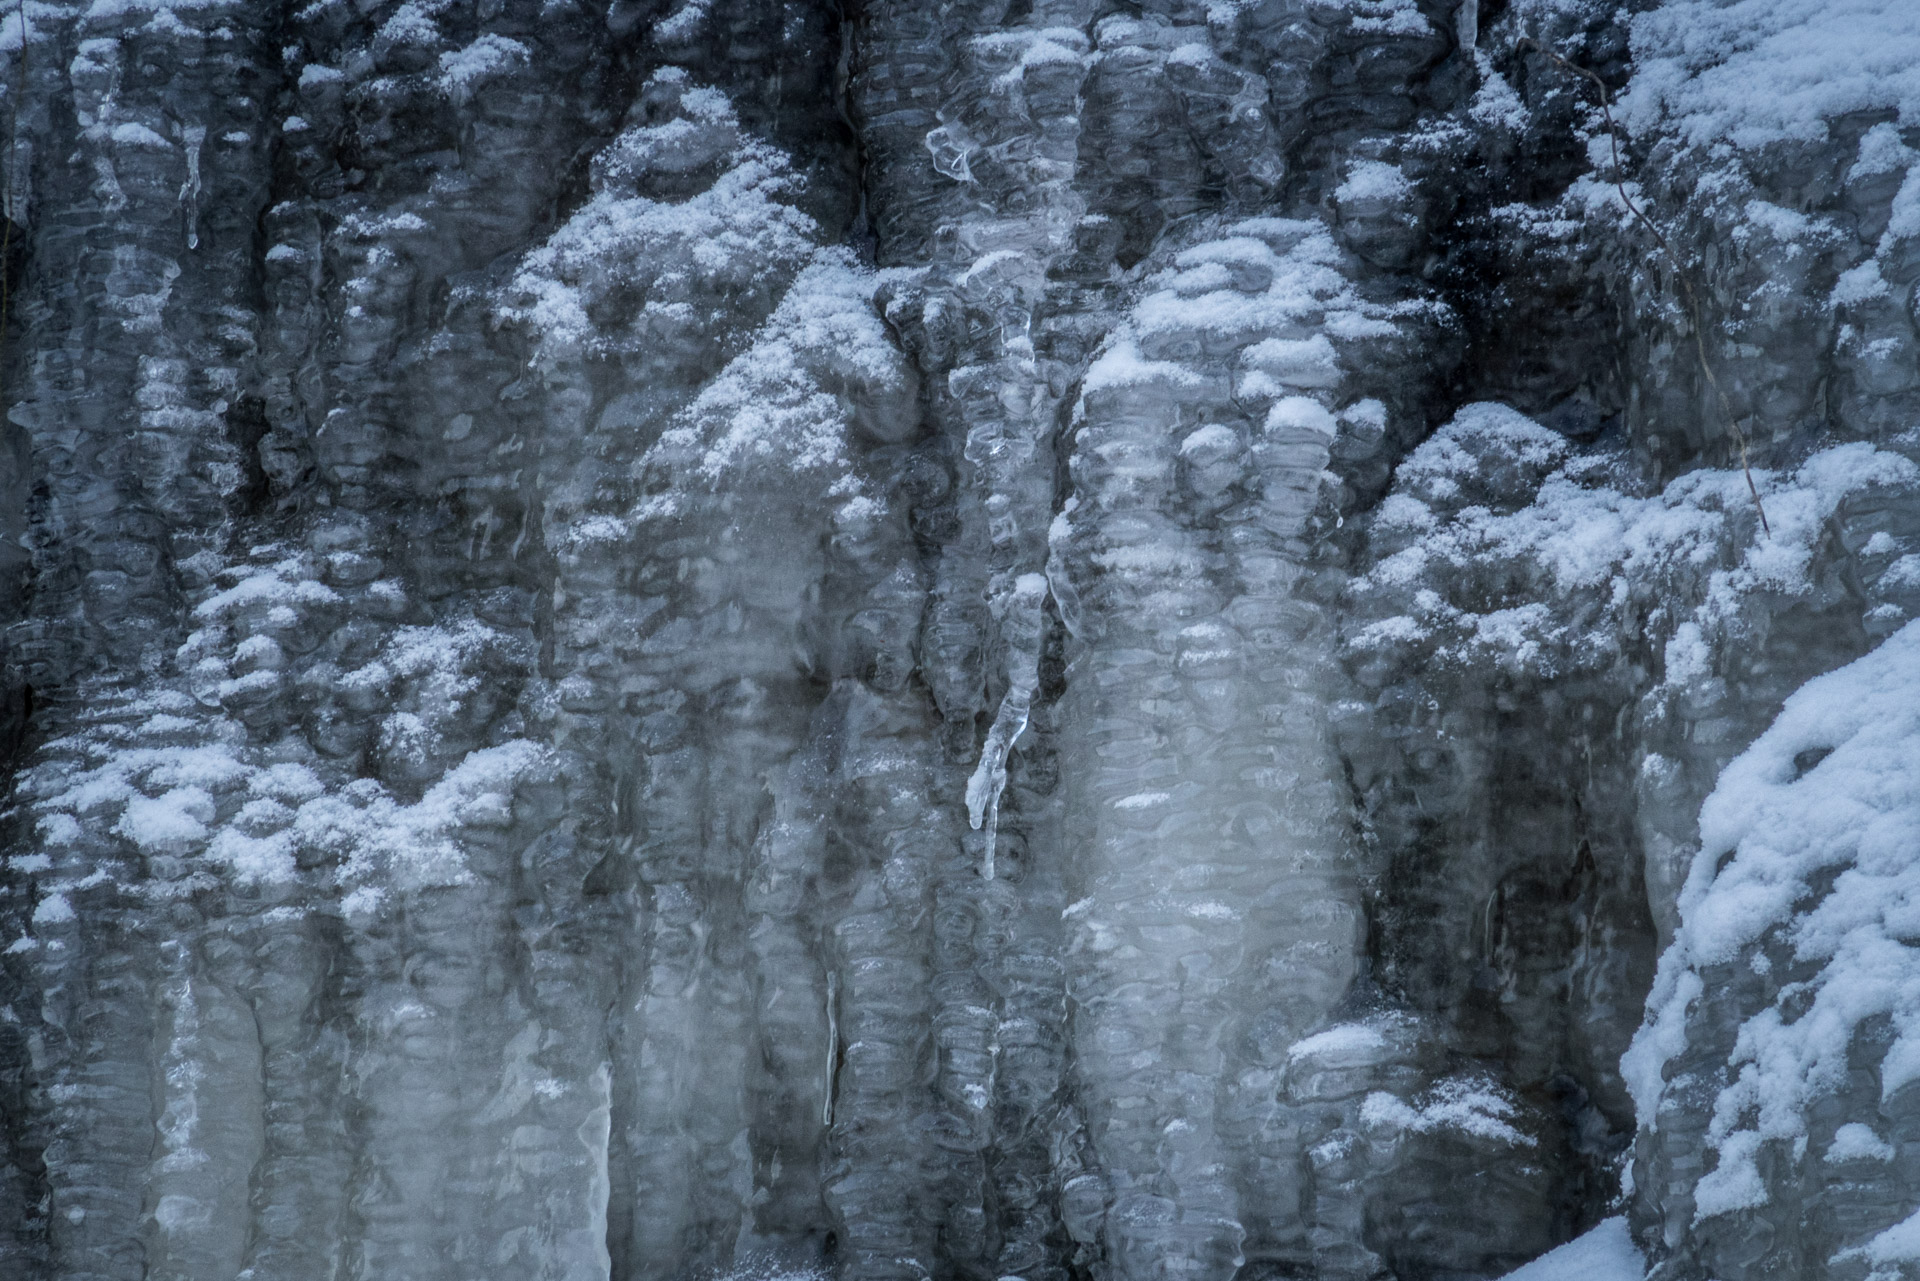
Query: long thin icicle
x,y
833,1049
1022,626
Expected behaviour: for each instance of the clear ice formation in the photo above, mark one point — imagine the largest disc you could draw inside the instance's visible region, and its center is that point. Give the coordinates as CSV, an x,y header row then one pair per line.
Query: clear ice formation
x,y
1025,639
988,781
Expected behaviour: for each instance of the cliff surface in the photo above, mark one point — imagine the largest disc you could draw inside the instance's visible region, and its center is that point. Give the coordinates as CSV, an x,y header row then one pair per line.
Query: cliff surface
x,y
1005,638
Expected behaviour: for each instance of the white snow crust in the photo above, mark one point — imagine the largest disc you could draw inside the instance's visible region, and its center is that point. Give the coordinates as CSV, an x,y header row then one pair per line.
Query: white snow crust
x,y
1471,573
1754,72
1604,1253
172,773
1809,857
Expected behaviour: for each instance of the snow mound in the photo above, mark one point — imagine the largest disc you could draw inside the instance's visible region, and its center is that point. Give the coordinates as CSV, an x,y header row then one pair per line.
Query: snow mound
x,y
1606,1253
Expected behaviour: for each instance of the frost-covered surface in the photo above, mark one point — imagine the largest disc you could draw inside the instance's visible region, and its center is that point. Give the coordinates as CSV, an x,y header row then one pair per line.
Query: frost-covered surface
x,y
1754,72
1809,862
634,264
1483,580
651,640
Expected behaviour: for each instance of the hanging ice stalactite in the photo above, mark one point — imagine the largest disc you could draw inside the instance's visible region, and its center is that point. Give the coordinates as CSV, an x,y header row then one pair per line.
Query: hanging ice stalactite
x,y
1022,625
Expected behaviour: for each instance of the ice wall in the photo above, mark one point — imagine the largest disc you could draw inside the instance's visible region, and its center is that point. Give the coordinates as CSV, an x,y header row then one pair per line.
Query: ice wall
x,y
992,640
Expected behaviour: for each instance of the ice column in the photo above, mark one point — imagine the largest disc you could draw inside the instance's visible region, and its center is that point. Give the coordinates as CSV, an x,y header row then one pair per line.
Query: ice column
x,y
1215,916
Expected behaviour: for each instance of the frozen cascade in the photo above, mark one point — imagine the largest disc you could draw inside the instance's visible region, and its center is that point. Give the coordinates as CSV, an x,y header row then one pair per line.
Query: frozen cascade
x,y
1212,861
989,778
991,641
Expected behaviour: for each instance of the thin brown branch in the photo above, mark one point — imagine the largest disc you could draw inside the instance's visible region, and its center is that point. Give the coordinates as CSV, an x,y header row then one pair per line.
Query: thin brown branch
x,y
1673,260
13,179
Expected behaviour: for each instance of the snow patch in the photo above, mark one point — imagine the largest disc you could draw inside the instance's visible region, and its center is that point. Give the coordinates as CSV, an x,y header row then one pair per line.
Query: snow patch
x,y
1373,180
1856,1142
486,58
783,402
1811,839
1605,1252
1471,1106
578,291
1344,1042
1752,72
1494,513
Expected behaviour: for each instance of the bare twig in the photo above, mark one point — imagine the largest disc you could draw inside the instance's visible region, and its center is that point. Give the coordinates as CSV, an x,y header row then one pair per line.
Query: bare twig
x,y
13,178
1673,260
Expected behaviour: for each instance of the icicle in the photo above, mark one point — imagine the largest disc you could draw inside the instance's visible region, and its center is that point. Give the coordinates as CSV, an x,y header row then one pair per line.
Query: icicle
x,y
990,776
194,136
1059,582
1021,625
833,1047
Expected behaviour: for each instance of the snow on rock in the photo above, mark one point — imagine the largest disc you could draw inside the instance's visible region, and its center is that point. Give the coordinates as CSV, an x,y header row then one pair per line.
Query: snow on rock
x,y
1604,1253
634,262
415,846
173,774
1494,516
1809,866
1754,72
1857,1142
487,58
1023,49
1267,276
1472,1106
1729,103
1341,1041
1387,17
791,396
1372,180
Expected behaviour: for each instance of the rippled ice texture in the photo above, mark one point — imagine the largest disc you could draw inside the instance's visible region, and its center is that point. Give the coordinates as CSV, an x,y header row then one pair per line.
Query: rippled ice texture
x,y
1160,642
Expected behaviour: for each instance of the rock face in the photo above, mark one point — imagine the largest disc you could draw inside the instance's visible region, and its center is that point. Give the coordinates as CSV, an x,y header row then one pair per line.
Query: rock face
x,y
1013,638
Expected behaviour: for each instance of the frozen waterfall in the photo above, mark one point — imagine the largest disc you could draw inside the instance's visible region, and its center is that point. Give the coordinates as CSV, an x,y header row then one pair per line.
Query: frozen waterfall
x,y
1014,640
